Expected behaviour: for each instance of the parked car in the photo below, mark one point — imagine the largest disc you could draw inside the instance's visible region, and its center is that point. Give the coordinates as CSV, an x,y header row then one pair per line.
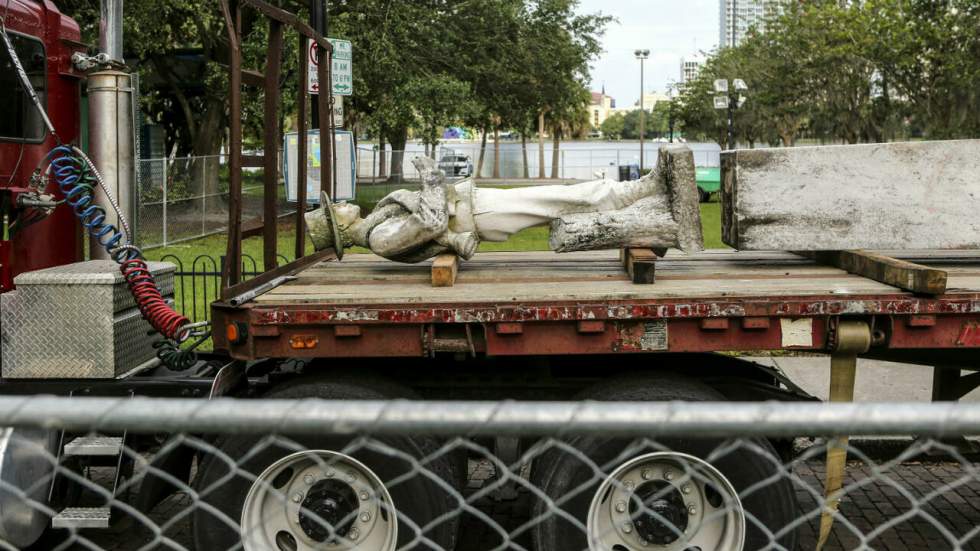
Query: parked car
x,y
456,165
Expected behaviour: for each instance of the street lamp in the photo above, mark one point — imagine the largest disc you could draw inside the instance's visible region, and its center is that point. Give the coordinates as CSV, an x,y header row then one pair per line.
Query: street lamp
x,y
642,55
730,101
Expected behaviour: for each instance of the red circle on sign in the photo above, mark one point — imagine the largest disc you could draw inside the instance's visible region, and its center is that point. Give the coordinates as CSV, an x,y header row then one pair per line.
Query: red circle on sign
x,y
314,58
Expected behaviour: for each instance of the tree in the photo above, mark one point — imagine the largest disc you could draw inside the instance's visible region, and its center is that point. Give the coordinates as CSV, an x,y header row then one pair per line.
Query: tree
x,y
437,102
613,127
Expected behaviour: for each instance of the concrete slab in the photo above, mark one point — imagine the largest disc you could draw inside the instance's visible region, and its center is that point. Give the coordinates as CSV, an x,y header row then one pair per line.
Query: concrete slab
x,y
875,196
877,381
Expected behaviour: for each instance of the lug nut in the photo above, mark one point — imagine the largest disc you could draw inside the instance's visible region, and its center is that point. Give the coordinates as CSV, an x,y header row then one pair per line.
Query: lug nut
x,y
329,474
621,507
297,497
353,534
686,489
351,477
364,496
628,528
309,479
692,511
629,485
647,474
365,516
668,475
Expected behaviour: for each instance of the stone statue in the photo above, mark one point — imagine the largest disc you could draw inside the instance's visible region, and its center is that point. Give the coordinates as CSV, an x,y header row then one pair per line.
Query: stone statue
x,y
659,210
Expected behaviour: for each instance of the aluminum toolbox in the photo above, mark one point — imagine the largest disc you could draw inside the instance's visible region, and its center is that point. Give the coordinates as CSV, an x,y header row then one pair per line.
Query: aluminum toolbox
x,y
77,321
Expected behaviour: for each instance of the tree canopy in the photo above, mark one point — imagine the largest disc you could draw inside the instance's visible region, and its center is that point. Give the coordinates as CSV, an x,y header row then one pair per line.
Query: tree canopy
x,y
861,71
418,66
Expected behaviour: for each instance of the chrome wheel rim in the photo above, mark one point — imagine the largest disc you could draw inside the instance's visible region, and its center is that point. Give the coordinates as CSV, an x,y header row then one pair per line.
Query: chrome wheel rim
x,y
666,501
316,500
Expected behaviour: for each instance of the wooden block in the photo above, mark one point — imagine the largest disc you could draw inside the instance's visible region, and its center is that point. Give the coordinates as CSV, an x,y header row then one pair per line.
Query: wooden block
x,y
901,196
641,265
885,269
444,268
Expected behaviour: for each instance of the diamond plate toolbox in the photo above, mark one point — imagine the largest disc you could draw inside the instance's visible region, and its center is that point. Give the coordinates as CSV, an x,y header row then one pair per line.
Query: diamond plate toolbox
x,y
76,322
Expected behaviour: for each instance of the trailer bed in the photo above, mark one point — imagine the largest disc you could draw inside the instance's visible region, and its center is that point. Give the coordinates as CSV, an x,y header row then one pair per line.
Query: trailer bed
x,y
597,276
545,303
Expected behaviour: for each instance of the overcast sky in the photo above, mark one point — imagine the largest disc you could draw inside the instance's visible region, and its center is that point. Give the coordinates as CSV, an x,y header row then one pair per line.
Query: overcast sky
x,y
670,29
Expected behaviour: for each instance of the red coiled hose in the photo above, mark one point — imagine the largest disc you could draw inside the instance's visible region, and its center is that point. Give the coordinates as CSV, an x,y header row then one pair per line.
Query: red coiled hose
x,y
150,301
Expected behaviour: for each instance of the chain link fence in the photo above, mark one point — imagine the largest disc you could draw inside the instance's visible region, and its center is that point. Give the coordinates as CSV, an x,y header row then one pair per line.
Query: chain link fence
x,y
297,473
187,197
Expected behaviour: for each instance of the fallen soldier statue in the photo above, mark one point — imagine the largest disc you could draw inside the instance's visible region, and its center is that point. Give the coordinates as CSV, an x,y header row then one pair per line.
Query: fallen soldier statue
x,y
660,210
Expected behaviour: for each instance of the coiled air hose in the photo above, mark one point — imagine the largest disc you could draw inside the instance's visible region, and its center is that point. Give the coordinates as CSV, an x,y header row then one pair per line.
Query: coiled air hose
x,y
76,177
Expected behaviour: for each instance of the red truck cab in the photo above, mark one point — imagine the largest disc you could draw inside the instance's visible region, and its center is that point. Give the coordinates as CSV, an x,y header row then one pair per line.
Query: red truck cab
x,y
45,40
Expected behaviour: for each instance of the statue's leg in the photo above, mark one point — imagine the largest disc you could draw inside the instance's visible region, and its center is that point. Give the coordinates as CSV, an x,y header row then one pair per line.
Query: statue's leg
x,y
498,213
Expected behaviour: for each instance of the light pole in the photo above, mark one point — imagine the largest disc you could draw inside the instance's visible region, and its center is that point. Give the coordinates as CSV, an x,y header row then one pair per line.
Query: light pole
x,y
730,101
642,55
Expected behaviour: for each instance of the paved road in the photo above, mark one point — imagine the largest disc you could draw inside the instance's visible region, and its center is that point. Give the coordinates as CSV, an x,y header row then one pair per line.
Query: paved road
x,y
877,381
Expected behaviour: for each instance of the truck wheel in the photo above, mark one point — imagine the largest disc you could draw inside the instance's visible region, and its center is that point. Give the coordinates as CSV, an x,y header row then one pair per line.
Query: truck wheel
x,y
295,493
703,196
669,493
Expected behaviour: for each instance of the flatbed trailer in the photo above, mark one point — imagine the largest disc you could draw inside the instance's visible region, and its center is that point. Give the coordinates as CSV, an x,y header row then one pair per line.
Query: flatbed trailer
x,y
548,304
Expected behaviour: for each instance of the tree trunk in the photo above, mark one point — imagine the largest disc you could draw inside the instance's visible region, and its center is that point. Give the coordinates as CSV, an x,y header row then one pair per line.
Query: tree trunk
x,y
524,154
208,143
556,142
382,157
398,138
541,145
483,152
496,152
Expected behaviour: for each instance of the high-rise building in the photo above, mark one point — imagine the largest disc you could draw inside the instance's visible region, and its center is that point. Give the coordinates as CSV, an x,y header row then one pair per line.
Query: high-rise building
x,y
737,17
690,67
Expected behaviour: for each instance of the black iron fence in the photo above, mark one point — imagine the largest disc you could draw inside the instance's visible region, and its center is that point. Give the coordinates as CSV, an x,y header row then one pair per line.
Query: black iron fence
x,y
197,283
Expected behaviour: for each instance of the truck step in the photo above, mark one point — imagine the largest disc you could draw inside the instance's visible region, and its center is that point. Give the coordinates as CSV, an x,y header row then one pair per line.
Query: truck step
x,y
82,517
94,446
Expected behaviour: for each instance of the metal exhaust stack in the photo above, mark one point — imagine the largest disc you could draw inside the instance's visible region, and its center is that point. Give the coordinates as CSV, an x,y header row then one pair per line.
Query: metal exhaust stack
x,y
111,126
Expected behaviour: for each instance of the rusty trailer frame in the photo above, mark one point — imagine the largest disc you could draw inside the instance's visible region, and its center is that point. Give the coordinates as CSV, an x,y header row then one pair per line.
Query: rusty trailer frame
x,y
324,315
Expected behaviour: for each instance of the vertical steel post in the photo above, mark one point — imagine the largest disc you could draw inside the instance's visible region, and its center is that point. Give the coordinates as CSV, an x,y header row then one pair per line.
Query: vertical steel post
x,y
164,216
111,28
270,140
318,23
302,154
232,271
643,115
204,194
732,105
324,59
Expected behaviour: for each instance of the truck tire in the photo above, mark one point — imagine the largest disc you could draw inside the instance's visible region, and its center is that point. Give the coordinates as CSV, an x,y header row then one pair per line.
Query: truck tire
x,y
362,470
568,478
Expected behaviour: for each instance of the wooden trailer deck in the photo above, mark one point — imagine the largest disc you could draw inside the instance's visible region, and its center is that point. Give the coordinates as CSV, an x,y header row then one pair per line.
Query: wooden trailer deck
x,y
514,277
535,303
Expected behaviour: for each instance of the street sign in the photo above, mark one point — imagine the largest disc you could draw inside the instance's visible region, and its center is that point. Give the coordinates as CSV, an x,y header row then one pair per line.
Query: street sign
x,y
721,102
341,72
338,111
